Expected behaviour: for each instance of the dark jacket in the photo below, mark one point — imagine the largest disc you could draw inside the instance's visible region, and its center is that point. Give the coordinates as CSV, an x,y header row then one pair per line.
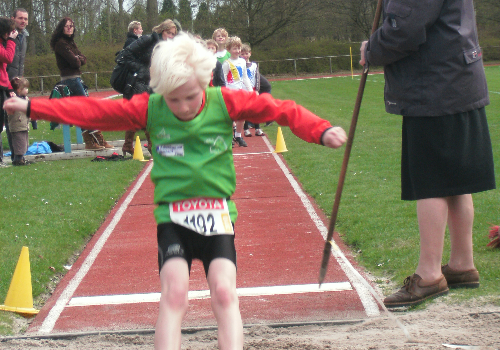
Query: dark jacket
x,y
431,57
16,68
68,58
131,37
218,75
137,56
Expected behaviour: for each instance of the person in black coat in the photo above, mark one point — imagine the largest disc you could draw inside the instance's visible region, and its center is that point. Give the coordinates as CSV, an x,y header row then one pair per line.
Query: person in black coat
x,y
134,33
137,58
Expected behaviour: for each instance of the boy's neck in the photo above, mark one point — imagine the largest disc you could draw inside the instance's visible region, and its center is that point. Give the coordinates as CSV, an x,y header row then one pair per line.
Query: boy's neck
x,y
234,58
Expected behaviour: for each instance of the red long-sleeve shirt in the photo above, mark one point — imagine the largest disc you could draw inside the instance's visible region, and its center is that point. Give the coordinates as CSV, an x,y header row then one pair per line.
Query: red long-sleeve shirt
x,y
6,57
108,115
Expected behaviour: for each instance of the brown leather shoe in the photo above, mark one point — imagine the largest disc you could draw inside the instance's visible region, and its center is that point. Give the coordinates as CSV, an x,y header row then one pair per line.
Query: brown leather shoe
x,y
460,279
416,291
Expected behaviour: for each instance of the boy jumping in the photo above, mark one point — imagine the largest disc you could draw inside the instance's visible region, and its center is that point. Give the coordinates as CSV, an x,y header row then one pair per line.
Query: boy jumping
x,y
193,172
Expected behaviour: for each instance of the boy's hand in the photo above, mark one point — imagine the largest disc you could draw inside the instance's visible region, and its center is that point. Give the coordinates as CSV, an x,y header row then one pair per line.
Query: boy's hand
x,y
334,137
15,104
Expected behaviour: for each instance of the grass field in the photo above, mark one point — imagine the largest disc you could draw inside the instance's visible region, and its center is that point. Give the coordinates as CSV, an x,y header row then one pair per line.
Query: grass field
x,y
54,207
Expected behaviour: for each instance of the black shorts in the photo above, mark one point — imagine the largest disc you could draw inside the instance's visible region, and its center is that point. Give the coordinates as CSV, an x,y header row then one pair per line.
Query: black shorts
x,y
446,156
177,241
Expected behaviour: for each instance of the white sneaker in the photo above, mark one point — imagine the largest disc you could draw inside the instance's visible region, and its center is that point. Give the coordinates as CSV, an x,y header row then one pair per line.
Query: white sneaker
x,y
259,132
247,133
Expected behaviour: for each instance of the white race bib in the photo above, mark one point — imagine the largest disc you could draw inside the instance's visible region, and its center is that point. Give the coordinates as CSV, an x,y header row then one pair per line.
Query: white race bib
x,y
206,216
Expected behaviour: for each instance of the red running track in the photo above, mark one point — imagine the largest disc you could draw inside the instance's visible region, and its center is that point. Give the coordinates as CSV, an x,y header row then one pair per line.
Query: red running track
x,y
277,242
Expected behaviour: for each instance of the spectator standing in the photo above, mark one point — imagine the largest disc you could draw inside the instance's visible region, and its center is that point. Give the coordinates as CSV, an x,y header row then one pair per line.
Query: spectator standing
x,y
217,74
19,124
134,32
8,34
235,76
254,77
137,58
220,36
69,60
16,68
435,79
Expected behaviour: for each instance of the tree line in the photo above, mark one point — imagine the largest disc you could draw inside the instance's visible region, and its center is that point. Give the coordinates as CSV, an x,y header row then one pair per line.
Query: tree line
x,y
263,23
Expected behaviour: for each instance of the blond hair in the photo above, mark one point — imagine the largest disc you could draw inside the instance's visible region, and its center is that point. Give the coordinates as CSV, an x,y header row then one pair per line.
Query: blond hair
x,y
233,41
175,61
165,25
133,25
222,31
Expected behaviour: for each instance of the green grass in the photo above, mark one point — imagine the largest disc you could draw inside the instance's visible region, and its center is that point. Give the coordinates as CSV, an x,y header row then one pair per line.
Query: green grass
x,y
43,133
55,207
380,228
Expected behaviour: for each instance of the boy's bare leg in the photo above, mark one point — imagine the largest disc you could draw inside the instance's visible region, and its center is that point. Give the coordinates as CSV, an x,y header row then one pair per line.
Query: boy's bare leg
x,y
222,283
174,278
460,221
432,216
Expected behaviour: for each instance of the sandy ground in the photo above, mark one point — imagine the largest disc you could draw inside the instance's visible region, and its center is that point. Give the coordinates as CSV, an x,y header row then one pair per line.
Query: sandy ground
x,y
438,326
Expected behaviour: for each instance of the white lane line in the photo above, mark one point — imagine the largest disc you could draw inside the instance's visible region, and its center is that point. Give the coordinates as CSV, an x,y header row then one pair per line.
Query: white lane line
x,y
204,294
358,282
51,319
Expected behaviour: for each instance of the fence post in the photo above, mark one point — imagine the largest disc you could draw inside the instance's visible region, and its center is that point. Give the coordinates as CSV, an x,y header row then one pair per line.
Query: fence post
x,y
41,85
96,82
330,65
295,66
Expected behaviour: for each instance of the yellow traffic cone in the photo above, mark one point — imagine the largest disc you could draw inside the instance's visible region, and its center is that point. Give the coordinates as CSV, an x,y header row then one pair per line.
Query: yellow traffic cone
x,y
280,143
20,295
138,150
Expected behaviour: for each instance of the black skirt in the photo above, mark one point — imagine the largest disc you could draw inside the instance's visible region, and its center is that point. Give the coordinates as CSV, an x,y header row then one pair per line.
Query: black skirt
x,y
446,156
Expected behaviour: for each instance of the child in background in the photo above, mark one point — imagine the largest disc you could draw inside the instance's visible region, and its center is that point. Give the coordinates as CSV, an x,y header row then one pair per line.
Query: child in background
x,y
235,76
254,76
19,124
220,36
191,131
217,75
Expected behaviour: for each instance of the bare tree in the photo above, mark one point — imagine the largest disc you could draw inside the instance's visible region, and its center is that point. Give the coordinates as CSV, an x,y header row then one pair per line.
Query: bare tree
x,y
152,11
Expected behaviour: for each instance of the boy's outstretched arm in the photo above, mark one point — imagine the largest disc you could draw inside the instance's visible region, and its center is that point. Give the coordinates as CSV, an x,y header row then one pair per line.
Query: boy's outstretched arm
x,y
86,112
263,108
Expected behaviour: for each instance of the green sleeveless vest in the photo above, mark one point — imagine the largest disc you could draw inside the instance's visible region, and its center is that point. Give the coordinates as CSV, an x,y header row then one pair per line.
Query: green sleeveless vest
x,y
194,158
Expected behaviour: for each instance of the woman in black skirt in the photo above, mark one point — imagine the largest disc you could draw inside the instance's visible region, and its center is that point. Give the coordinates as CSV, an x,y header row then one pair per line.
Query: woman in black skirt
x,y
435,79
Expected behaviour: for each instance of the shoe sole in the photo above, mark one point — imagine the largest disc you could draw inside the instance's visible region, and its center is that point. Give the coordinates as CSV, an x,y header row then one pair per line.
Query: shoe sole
x,y
468,285
416,302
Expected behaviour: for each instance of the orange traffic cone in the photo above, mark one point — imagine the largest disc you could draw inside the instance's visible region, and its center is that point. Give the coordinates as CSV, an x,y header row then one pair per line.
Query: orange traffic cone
x,y
280,142
20,295
138,155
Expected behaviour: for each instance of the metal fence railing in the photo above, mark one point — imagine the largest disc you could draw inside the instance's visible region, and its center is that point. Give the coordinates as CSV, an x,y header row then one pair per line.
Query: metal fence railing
x,y
285,66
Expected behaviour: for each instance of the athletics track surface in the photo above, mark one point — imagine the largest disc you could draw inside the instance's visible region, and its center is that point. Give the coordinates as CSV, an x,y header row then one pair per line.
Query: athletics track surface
x,y
114,284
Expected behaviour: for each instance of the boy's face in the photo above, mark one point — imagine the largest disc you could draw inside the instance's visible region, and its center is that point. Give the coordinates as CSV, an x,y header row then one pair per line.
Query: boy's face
x,y
235,51
185,101
212,48
220,39
246,55
22,92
